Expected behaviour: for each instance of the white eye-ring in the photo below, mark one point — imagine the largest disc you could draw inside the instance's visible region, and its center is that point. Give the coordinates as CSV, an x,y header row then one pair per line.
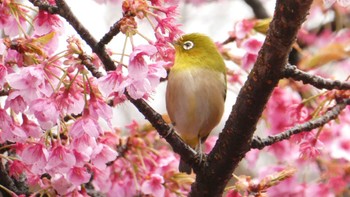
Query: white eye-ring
x,y
188,45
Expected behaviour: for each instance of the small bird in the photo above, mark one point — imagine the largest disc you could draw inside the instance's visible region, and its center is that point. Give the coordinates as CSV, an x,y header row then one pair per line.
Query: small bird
x,y
196,90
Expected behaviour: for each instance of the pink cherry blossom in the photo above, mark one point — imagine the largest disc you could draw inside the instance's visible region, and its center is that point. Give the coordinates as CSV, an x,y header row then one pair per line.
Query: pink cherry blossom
x,y
98,108
3,73
31,128
70,100
252,47
233,193
156,71
248,60
137,65
45,22
168,24
114,81
101,155
30,82
45,111
252,156
102,180
154,186
318,189
85,125
284,150
210,143
60,183
277,108
338,139
8,21
5,120
15,101
165,52
14,134
13,57
166,163
343,3
78,175
17,168
310,148
36,156
242,29
60,160
82,157
298,114
139,87
143,77
84,145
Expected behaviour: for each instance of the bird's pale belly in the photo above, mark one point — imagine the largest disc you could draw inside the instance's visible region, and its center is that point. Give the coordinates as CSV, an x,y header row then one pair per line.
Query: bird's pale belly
x,y
195,102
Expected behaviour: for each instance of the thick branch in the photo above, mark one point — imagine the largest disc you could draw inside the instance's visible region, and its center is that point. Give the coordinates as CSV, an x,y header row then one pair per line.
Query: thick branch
x,y
319,82
237,134
258,8
307,126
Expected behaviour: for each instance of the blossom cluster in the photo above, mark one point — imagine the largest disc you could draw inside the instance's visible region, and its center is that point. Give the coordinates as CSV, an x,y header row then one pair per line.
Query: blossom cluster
x,y
142,77
56,125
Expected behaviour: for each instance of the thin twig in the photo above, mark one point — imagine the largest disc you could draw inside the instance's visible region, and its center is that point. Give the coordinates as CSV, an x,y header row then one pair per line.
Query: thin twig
x,y
4,93
113,31
293,72
259,143
44,5
86,60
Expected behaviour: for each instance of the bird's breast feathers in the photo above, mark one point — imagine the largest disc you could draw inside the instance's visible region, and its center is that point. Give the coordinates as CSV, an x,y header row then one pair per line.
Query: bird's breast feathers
x,y
195,101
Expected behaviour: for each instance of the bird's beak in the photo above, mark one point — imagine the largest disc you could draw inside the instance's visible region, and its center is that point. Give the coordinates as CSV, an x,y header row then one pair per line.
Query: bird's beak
x,y
177,41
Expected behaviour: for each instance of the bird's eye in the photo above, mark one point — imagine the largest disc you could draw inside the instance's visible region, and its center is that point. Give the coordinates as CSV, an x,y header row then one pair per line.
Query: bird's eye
x,y
188,45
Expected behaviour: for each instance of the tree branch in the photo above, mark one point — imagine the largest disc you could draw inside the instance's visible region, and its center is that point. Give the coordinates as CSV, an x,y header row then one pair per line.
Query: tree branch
x,y
167,132
100,51
4,93
86,61
44,5
235,140
293,72
258,8
113,31
332,114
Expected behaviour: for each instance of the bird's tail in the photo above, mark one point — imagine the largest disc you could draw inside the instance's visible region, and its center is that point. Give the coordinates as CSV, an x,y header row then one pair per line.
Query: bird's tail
x,y
184,167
